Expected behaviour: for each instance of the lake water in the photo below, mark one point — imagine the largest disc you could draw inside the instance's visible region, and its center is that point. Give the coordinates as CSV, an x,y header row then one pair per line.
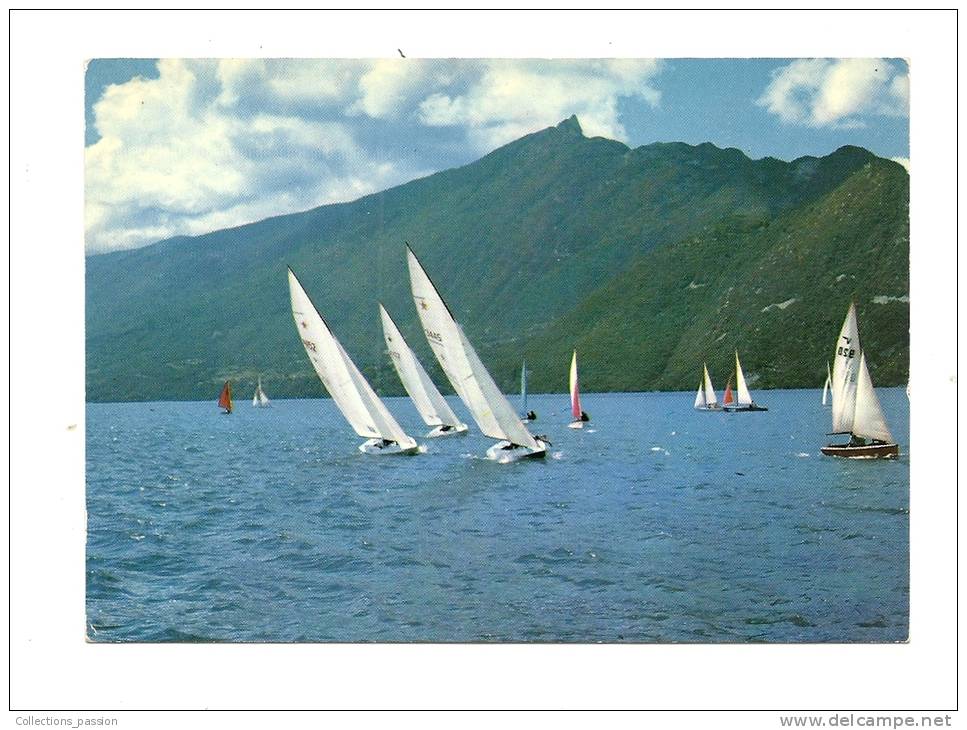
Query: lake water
x,y
656,523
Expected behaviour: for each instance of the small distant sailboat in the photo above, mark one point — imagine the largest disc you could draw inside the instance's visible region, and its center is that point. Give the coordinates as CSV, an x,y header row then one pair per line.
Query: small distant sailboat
x,y
260,399
744,402
705,398
225,397
727,398
350,392
579,416
467,374
426,397
526,415
829,380
856,409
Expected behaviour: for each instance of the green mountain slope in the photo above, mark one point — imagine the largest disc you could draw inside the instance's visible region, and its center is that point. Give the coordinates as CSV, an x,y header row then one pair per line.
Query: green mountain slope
x,y
515,240
775,289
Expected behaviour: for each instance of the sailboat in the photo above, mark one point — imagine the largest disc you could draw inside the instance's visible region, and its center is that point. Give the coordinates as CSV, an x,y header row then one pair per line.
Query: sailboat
x,y
467,374
579,416
225,397
829,380
705,398
744,402
260,399
856,409
351,393
525,415
428,400
727,398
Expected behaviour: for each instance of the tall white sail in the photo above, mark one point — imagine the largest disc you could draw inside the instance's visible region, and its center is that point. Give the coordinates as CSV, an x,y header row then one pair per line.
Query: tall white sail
x,y
424,394
868,419
523,389
700,396
827,384
710,397
470,379
349,390
845,367
744,396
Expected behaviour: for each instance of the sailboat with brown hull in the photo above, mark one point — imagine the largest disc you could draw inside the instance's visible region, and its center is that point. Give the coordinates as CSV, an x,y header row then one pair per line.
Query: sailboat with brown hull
x,y
856,408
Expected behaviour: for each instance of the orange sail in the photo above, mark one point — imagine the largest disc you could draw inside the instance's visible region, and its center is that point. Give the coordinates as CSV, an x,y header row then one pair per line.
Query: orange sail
x,y
225,399
728,393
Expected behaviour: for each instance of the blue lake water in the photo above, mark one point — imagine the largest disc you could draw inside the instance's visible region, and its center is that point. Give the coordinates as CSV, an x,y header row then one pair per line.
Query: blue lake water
x,y
657,523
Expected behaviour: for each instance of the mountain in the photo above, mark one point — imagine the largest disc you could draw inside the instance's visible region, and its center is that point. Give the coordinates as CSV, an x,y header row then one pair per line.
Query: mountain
x,y
553,233
777,290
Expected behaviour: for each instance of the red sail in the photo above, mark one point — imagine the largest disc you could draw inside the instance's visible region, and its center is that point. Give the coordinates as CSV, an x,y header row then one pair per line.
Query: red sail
x,y
728,393
225,399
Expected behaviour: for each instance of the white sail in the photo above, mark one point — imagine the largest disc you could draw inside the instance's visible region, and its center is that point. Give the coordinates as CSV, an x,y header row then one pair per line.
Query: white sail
x,y
700,396
845,367
523,389
349,390
424,394
826,385
868,419
744,396
573,384
710,397
260,399
470,379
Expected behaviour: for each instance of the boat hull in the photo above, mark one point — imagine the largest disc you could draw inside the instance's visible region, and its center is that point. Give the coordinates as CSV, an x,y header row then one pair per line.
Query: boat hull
x,y
378,446
709,408
576,424
744,409
869,451
460,430
505,452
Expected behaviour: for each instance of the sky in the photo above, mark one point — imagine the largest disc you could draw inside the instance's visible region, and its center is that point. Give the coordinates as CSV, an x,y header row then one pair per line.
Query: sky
x,y
176,147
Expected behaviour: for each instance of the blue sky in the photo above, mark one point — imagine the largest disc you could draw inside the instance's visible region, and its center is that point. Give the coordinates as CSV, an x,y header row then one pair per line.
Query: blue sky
x,y
187,146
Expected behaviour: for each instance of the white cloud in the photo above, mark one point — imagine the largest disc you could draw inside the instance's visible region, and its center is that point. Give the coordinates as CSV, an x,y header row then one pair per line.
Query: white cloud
x,y
507,99
216,143
905,161
837,93
179,154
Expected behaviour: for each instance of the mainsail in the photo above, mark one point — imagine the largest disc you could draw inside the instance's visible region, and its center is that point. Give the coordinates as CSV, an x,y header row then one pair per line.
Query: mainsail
x,y
710,398
845,367
470,379
826,385
225,397
744,397
575,394
700,396
351,393
424,394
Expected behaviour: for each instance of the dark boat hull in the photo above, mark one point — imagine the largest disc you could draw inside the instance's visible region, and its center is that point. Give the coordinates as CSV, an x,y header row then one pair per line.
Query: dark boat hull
x,y
869,451
745,409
